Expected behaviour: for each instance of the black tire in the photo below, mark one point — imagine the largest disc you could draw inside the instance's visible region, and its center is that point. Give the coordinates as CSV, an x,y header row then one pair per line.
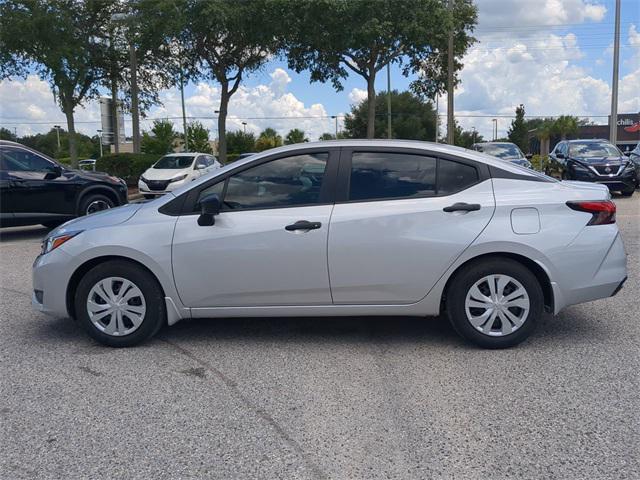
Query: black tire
x,y
468,276
92,199
154,317
628,193
149,197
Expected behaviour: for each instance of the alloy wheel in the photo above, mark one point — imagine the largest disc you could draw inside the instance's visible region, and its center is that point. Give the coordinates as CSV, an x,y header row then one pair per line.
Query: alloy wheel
x,y
497,305
116,306
97,206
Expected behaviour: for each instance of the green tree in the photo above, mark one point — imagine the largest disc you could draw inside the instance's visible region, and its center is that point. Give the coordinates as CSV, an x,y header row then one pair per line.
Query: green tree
x,y
518,131
544,131
327,136
565,125
269,138
332,38
295,136
6,134
225,40
465,138
412,119
161,139
47,143
198,138
241,142
63,41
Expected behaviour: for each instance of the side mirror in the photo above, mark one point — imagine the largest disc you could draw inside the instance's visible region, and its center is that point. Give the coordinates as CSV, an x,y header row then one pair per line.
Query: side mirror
x,y
55,172
528,156
628,153
559,155
210,206
200,166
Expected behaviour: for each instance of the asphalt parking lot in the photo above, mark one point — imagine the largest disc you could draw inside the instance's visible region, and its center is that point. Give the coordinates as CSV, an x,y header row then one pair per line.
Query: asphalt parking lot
x,y
320,398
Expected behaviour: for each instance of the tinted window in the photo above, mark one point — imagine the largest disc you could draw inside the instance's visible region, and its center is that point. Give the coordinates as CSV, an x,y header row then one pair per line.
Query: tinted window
x,y
174,162
391,175
284,182
500,150
19,160
454,176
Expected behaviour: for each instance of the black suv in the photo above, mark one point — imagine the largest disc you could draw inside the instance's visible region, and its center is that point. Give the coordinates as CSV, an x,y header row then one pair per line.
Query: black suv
x,y
36,189
595,161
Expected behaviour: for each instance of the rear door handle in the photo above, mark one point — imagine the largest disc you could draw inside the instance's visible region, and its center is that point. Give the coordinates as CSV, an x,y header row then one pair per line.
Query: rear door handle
x,y
462,207
303,225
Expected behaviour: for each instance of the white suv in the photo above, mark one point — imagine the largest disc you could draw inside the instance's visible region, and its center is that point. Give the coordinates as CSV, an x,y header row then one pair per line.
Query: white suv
x,y
173,171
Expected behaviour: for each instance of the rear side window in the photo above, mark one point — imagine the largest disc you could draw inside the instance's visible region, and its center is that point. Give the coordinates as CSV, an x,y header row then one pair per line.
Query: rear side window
x,y
388,175
455,176
376,175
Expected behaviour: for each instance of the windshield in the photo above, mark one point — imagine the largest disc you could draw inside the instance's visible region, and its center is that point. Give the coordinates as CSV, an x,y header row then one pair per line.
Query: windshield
x,y
501,150
174,162
592,149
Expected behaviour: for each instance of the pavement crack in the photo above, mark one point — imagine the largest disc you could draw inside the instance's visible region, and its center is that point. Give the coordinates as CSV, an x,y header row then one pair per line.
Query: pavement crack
x,y
259,412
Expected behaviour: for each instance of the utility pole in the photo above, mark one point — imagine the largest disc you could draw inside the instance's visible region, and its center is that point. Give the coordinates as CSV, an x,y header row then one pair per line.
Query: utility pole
x,y
184,112
613,119
495,129
437,119
244,128
100,141
388,101
57,127
336,118
451,126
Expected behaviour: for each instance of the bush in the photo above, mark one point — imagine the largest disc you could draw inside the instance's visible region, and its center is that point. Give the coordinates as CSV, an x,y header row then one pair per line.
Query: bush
x,y
128,166
545,165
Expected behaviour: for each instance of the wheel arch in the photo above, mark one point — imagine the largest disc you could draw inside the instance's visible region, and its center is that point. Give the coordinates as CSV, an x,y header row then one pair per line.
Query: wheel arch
x,y
534,267
100,190
82,270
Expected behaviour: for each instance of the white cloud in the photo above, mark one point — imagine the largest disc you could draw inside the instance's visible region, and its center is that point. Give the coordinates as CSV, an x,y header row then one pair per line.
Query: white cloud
x,y
356,95
31,101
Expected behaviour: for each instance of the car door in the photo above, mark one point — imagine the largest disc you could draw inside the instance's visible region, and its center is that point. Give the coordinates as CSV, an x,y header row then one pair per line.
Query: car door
x,y
37,188
391,237
268,245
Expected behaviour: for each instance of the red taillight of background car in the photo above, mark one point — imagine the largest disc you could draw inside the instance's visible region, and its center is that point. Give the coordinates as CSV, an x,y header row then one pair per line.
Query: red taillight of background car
x,y
603,211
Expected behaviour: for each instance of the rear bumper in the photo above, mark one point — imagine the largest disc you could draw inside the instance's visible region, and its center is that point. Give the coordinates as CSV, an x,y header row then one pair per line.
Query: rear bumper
x,y
603,278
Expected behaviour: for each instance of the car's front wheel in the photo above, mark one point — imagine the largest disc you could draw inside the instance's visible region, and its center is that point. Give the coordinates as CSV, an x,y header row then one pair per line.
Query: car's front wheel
x,y
120,304
95,202
628,192
495,302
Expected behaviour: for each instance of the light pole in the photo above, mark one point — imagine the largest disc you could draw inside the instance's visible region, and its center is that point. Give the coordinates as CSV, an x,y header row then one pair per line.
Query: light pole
x,y
57,127
388,101
474,134
437,120
100,141
495,129
336,118
244,128
613,120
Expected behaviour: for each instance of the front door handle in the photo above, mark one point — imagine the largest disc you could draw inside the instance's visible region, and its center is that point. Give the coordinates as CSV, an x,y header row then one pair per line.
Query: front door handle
x,y
303,225
462,207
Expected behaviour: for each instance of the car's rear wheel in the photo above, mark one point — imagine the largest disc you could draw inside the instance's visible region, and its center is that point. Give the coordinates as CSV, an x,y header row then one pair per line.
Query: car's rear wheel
x,y
95,202
120,304
494,303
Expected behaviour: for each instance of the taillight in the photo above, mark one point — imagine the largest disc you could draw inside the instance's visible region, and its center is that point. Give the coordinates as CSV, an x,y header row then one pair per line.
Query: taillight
x,y
603,211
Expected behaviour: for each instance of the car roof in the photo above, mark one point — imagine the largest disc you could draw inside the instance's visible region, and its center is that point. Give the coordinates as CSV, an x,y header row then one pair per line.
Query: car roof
x,y
185,154
591,140
494,143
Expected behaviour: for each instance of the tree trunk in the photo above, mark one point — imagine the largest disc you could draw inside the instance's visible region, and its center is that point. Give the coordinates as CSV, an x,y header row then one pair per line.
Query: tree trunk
x,y
371,104
222,122
114,112
71,128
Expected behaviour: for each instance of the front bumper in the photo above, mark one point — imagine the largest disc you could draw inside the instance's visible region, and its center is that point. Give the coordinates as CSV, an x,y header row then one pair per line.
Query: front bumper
x,y
625,181
50,276
144,189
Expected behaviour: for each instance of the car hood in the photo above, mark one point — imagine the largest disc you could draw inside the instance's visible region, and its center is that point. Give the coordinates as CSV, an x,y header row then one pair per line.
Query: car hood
x,y
600,160
93,176
164,173
106,218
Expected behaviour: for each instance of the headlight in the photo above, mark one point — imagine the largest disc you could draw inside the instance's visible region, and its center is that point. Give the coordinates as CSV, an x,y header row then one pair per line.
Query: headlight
x,y
579,167
53,242
177,179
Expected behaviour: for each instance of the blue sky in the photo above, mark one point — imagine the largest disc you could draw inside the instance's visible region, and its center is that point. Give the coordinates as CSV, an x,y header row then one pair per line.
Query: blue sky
x,y
552,55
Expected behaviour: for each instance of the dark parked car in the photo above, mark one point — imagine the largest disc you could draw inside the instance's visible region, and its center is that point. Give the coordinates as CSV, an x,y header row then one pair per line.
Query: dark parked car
x,y
595,161
504,151
634,156
36,189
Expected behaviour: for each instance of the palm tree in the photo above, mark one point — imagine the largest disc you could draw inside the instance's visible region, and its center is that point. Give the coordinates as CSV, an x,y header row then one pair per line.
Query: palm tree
x,y
565,125
295,136
544,132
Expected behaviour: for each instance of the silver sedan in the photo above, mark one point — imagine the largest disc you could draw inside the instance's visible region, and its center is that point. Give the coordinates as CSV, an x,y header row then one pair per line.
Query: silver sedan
x,y
336,229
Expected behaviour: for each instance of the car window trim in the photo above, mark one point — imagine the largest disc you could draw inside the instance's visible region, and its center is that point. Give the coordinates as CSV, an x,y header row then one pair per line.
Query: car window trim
x,y
344,175
52,163
327,191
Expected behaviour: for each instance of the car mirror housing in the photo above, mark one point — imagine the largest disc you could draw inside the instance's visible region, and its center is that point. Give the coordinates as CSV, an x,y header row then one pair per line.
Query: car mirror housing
x,y
559,155
55,172
210,206
528,156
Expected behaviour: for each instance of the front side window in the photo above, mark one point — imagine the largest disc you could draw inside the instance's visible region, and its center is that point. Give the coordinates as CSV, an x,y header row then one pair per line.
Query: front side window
x,y
385,175
285,182
19,160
